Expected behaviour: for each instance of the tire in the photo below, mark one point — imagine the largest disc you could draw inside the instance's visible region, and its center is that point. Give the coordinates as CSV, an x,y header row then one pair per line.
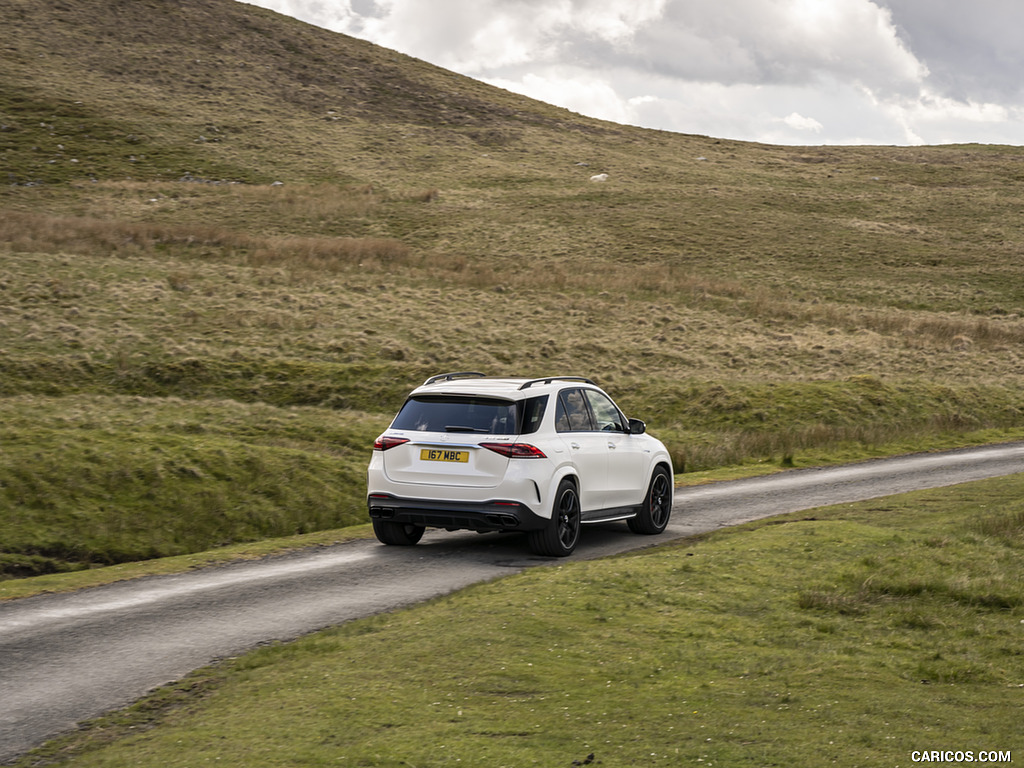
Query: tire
x,y
657,507
561,536
397,534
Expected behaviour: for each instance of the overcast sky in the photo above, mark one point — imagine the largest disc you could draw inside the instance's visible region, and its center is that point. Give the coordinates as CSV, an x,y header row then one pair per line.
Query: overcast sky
x,y
777,71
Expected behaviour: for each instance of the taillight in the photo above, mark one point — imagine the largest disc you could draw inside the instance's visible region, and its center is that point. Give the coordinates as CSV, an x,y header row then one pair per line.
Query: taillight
x,y
384,443
515,450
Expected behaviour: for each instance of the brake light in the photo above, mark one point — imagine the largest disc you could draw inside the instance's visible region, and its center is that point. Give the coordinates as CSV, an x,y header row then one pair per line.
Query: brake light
x,y
384,443
515,450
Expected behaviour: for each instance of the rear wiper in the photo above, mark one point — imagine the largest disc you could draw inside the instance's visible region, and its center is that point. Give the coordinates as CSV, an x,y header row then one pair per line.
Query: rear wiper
x,y
464,429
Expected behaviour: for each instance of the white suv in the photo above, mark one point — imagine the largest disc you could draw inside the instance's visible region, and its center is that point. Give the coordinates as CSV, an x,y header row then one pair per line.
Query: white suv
x,y
543,456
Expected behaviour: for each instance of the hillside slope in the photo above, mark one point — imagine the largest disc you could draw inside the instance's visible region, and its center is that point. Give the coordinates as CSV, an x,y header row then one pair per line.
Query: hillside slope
x,y
230,241
214,87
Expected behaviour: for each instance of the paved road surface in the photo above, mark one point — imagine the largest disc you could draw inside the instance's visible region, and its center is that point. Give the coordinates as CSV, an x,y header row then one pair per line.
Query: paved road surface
x,y
66,658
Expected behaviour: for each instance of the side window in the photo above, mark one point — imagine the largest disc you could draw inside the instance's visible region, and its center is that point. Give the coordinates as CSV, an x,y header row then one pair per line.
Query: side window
x,y
606,414
571,413
533,412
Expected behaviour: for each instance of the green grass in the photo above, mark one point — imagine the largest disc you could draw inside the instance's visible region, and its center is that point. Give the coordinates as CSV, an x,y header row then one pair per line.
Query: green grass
x,y
756,305
850,635
89,480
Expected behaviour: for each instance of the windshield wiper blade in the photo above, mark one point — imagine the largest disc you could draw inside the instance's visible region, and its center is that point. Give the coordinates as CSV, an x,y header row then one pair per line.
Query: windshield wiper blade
x,y
455,428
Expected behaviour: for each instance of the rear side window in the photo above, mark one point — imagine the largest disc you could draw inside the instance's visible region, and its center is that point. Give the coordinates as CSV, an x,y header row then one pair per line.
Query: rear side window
x,y
533,413
482,415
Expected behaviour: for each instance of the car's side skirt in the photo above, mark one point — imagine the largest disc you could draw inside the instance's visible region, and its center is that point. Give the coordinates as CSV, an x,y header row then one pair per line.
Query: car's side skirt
x,y
609,515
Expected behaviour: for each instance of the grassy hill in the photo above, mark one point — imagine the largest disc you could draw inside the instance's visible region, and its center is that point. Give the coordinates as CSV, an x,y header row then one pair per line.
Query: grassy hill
x,y
230,242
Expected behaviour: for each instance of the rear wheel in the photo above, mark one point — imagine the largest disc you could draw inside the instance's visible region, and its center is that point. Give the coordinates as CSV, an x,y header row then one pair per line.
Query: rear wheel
x,y
561,535
398,534
657,506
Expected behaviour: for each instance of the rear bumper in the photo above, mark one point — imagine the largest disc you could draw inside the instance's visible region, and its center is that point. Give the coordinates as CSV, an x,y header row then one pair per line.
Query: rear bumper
x,y
455,515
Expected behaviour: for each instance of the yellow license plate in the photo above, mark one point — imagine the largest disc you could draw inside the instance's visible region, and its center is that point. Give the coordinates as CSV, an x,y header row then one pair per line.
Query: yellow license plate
x,y
436,454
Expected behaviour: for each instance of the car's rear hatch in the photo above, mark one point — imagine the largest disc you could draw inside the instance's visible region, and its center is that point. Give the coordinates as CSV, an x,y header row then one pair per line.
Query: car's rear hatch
x,y
435,458
445,433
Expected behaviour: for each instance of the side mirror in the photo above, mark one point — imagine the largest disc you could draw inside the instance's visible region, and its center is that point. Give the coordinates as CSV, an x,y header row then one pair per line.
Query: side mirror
x,y
637,427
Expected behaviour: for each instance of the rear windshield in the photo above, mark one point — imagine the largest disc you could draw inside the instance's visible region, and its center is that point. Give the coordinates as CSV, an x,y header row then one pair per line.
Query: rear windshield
x,y
479,415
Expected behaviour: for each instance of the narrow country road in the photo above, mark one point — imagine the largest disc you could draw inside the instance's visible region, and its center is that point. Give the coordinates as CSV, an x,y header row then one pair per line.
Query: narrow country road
x,y
66,658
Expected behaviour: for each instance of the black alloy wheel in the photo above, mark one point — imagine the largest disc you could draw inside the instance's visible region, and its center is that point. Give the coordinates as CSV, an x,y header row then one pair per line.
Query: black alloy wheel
x,y
561,536
657,509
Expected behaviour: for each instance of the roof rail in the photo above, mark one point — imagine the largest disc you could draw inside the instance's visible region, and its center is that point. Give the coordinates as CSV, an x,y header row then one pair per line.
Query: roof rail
x,y
450,376
549,379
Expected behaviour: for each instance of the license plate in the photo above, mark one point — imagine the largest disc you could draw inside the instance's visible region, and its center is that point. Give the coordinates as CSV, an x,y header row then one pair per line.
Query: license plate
x,y
436,454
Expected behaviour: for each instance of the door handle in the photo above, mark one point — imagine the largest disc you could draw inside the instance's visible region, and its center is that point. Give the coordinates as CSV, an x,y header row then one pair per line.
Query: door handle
x,y
575,445
612,446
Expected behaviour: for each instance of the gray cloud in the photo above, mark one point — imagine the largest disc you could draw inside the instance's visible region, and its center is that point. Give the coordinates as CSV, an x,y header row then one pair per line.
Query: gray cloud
x,y
972,50
780,43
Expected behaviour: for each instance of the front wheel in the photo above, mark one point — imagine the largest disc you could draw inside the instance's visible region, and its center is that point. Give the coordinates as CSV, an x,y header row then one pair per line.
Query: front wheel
x,y
657,507
560,536
398,534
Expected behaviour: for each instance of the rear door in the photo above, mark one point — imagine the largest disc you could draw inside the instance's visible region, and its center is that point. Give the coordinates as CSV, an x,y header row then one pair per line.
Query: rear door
x,y
587,448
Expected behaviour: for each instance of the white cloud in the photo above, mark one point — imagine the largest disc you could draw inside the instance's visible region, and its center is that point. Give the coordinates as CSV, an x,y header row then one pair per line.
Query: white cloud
x,y
935,119
798,122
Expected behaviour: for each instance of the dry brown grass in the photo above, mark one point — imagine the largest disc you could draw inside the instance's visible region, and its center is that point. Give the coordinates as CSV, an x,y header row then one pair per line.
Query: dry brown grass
x,y
36,232
305,302
304,201
955,331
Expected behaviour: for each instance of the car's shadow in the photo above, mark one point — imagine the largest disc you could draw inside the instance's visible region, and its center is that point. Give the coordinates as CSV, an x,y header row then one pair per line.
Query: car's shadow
x,y
513,550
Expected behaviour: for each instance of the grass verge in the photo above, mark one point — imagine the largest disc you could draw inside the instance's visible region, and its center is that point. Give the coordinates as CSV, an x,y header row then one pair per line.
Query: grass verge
x,y
849,635
91,481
